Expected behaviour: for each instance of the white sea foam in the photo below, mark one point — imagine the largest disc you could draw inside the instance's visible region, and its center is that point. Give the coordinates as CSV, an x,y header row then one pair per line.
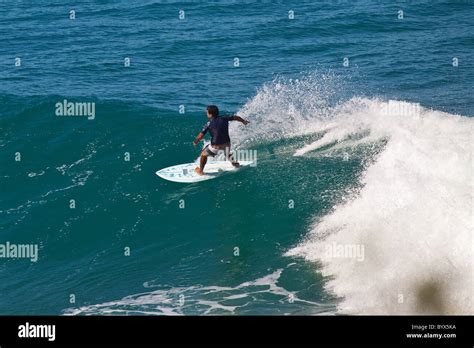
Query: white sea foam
x,y
203,300
413,212
282,108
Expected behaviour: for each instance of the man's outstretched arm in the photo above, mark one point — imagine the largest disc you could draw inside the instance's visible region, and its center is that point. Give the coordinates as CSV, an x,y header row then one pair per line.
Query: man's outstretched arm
x,y
198,138
240,119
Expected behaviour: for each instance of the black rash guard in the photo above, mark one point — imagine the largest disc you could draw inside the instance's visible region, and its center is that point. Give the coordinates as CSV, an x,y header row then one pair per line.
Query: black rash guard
x,y
219,129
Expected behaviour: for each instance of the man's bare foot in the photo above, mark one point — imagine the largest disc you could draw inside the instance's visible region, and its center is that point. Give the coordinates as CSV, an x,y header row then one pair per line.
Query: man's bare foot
x,y
236,164
198,171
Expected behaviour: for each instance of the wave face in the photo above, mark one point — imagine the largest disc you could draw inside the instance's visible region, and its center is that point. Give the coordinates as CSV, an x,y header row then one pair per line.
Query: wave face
x,y
382,225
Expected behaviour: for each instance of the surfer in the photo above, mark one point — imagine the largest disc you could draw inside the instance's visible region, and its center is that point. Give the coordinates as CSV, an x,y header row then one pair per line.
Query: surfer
x,y
218,127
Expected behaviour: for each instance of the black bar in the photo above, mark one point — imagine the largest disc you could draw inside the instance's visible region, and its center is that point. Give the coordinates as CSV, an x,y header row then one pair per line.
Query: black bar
x,y
218,330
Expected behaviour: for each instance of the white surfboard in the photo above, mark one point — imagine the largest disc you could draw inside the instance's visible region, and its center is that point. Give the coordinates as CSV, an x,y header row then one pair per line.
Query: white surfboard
x,y
185,172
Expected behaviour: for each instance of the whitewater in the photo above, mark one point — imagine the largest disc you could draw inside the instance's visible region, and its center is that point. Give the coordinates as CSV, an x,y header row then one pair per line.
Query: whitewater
x,y
411,210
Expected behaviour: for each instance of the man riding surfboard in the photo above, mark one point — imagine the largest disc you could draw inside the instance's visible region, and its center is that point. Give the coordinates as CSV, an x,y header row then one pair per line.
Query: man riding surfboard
x,y
218,127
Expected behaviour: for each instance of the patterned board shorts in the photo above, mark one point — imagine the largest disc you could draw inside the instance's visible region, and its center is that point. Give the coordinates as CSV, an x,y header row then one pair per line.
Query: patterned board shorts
x,y
212,151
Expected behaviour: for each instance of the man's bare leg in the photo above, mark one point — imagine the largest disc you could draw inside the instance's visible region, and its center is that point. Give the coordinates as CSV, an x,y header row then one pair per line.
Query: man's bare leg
x,y
231,159
202,164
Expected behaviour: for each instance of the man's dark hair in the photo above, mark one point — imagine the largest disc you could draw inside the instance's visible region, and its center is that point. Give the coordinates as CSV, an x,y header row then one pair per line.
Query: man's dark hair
x,y
213,110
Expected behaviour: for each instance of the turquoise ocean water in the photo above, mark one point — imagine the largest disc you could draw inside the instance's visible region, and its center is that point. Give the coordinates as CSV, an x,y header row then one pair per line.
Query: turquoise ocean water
x,y
361,116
